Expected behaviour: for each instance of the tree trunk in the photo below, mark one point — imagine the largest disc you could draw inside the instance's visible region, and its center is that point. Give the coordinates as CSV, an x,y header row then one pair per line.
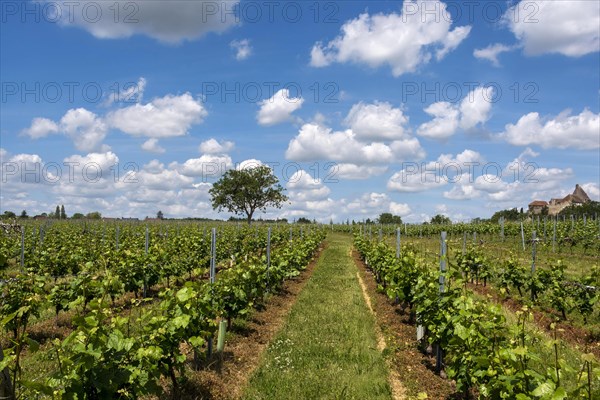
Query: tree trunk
x,y
173,377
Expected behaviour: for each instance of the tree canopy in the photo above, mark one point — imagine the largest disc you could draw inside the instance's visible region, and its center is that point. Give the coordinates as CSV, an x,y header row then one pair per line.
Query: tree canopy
x,y
509,215
94,215
440,219
590,208
388,218
9,214
247,190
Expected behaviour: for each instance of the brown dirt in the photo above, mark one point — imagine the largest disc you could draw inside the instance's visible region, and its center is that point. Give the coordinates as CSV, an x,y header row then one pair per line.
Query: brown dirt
x,y
408,364
225,376
574,335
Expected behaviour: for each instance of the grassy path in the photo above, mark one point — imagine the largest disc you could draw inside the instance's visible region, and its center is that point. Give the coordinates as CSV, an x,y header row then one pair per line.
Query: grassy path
x,y
328,347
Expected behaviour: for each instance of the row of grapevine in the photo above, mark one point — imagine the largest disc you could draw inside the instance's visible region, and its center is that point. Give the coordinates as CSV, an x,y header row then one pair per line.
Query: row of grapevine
x,y
124,349
568,232
482,353
548,286
62,248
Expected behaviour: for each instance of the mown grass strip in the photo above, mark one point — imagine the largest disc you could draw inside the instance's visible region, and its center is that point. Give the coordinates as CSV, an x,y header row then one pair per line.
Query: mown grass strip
x,y
327,348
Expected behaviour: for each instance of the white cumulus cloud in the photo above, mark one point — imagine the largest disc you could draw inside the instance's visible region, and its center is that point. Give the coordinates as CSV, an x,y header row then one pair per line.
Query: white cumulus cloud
x,y
404,41
303,187
444,123
169,21
278,108
369,203
358,159
401,209
249,164
212,146
129,93
41,127
417,180
315,142
569,27
242,48
207,165
448,168
168,116
85,128
376,121
492,52
473,110
165,179
152,146
356,172
563,131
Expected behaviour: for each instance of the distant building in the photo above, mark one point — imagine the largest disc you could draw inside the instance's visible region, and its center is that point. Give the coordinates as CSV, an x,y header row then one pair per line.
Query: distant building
x,y
556,205
578,197
537,206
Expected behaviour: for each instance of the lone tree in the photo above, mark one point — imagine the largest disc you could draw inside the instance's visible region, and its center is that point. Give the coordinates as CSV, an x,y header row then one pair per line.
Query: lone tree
x,y
388,218
441,220
247,190
159,215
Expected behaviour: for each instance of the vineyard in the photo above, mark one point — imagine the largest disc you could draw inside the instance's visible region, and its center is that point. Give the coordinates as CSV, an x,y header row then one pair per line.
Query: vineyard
x,y
97,310
138,303
300,200
456,293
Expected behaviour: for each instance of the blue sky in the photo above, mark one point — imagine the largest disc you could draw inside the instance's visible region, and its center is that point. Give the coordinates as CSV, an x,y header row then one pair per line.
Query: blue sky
x,y
415,108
